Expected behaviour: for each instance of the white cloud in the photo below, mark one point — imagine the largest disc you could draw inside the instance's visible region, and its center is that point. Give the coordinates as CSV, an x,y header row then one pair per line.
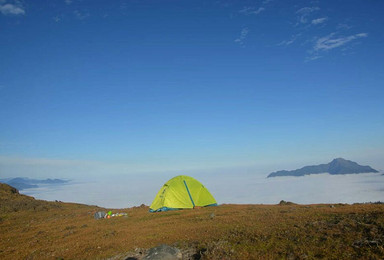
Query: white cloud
x,y
313,57
319,20
290,41
68,2
304,13
57,19
251,10
343,26
307,10
331,41
80,15
11,9
243,36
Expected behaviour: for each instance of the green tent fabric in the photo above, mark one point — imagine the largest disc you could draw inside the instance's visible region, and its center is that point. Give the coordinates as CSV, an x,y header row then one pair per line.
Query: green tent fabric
x,y
182,192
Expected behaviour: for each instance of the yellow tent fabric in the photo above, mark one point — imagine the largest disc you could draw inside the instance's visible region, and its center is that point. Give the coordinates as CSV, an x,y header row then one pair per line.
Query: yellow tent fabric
x,y
182,192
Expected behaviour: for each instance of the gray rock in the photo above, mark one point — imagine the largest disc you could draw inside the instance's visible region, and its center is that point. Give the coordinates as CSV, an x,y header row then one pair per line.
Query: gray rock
x,y
283,202
99,215
164,252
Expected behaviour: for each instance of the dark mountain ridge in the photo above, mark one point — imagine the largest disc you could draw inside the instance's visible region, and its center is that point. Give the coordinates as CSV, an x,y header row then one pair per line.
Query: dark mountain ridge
x,y
336,166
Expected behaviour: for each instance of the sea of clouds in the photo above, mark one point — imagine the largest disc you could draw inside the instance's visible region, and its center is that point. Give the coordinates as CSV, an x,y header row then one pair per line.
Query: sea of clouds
x,y
242,188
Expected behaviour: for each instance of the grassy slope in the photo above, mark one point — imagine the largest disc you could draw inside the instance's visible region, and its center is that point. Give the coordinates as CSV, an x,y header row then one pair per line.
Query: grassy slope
x,y
63,230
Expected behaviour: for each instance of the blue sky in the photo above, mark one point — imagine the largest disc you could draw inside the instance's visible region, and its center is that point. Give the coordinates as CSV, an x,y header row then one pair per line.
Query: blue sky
x,y
182,85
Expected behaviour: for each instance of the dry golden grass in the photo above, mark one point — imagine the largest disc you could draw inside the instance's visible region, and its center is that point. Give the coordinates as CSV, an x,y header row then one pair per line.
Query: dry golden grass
x,y
69,231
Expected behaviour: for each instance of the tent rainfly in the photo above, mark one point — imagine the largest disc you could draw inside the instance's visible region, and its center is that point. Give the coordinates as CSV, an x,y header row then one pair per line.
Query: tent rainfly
x,y
182,192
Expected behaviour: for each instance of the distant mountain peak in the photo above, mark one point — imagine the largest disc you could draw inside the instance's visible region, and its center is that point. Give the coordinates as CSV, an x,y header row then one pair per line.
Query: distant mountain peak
x,y
336,166
340,160
22,183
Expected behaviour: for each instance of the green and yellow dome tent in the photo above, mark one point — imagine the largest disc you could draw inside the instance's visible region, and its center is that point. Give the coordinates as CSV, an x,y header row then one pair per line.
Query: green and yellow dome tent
x,y
182,192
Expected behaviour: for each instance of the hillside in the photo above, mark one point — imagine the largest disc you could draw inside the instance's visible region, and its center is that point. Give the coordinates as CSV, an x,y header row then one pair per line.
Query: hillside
x,y
54,230
335,167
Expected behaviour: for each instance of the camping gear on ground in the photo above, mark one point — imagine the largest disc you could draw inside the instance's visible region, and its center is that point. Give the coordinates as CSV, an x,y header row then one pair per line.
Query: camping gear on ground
x,y
102,214
119,214
182,192
99,215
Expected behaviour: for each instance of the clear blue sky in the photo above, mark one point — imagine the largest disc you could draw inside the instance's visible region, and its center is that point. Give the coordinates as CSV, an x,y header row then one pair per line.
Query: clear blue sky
x,y
190,84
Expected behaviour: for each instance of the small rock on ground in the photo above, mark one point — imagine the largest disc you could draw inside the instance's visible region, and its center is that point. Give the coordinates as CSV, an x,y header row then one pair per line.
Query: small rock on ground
x,y
164,252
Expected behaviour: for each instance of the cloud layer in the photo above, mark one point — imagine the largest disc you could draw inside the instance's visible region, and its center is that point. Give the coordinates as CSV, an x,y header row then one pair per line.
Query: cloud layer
x,y
245,188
